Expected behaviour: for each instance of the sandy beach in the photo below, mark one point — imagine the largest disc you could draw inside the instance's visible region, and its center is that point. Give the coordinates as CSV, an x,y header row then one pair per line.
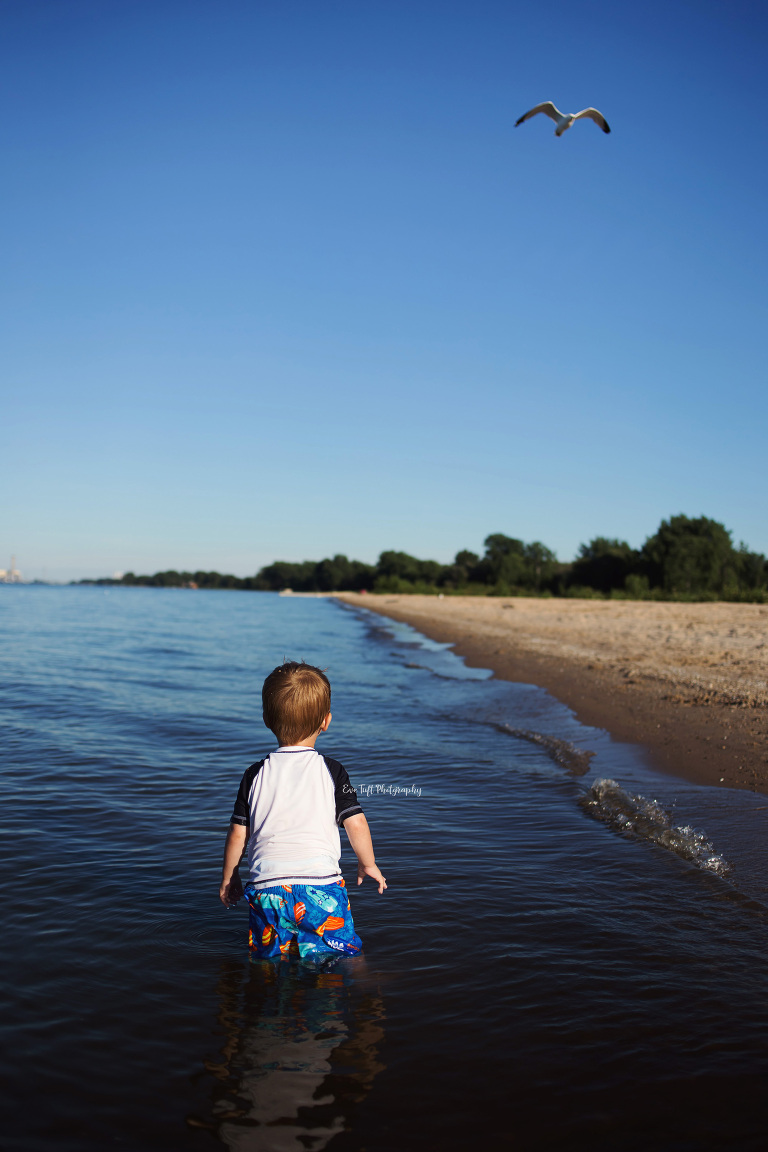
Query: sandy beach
x,y
688,681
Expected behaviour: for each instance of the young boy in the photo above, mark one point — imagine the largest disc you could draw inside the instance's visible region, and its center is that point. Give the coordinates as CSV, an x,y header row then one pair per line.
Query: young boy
x,y
288,811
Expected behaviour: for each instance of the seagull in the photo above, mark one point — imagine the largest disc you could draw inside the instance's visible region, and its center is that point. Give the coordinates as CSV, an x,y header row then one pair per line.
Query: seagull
x,y
565,119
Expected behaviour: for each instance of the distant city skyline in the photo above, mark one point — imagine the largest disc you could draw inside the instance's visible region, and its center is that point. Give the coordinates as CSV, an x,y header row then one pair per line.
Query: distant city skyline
x,y
284,281
11,575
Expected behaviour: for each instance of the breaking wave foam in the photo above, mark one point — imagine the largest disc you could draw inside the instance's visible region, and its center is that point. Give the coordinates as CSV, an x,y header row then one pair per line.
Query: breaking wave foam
x,y
647,820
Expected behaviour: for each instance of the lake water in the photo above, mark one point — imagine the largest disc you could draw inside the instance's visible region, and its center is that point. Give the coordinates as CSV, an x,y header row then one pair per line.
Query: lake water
x,y
557,963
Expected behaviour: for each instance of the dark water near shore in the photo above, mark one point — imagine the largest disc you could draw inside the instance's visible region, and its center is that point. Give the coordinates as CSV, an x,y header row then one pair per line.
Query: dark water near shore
x,y
557,964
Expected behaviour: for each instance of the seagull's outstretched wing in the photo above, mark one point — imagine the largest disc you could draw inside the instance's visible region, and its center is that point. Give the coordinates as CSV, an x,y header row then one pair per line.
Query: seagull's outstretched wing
x,y
593,114
547,108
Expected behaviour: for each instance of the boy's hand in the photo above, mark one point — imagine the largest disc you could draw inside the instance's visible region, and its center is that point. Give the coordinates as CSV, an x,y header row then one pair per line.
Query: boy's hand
x,y
231,892
360,838
371,870
231,887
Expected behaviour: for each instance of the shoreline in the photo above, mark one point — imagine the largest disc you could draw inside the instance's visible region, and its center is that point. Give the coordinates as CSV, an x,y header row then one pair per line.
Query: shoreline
x,y
688,682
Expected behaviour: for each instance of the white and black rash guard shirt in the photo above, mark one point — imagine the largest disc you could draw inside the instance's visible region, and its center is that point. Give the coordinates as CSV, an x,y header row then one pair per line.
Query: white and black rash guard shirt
x,y
292,804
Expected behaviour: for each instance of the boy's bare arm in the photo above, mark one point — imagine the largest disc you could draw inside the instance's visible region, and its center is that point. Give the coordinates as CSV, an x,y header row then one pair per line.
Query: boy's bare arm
x,y
231,886
359,834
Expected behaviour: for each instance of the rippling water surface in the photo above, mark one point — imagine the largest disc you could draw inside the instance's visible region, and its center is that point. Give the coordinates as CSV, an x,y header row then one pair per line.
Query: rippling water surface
x,y
533,978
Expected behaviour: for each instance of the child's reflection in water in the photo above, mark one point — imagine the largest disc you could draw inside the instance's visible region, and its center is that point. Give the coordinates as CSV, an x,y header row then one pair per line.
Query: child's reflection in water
x,y
300,1050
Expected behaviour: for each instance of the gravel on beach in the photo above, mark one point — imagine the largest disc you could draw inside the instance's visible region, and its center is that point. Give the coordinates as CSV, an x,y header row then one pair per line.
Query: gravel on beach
x,y
689,681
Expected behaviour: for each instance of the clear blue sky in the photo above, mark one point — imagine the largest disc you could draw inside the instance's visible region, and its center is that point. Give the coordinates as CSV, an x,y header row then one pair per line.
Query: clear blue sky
x,y
281,279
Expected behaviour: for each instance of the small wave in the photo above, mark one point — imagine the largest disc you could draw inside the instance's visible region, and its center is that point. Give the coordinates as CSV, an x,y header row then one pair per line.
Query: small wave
x,y
215,935
565,754
647,820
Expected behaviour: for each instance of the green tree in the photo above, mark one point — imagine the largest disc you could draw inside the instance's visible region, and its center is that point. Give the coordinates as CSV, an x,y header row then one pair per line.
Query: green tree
x,y
462,571
603,564
504,560
541,562
691,556
399,565
401,572
300,576
509,563
342,575
752,569
466,560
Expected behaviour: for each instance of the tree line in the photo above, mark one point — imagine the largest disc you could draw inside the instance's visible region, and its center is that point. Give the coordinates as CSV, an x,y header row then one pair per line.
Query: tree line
x,y
686,558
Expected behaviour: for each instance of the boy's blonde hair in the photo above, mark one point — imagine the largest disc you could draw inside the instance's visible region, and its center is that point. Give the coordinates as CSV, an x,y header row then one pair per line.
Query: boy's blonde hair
x,y
296,698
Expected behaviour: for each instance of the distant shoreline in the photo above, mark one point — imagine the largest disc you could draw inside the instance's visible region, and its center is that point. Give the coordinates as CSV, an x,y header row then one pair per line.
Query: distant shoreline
x,y
687,681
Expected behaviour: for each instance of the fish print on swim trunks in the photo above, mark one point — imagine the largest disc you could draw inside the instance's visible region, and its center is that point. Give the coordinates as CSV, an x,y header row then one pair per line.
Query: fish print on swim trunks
x,y
301,920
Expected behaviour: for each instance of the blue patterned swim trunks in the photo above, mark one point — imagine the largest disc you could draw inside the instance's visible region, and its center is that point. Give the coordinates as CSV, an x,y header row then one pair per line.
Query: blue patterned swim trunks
x,y
301,920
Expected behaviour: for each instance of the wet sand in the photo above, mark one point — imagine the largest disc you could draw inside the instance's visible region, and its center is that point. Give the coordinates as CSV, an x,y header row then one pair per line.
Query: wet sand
x,y
688,681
